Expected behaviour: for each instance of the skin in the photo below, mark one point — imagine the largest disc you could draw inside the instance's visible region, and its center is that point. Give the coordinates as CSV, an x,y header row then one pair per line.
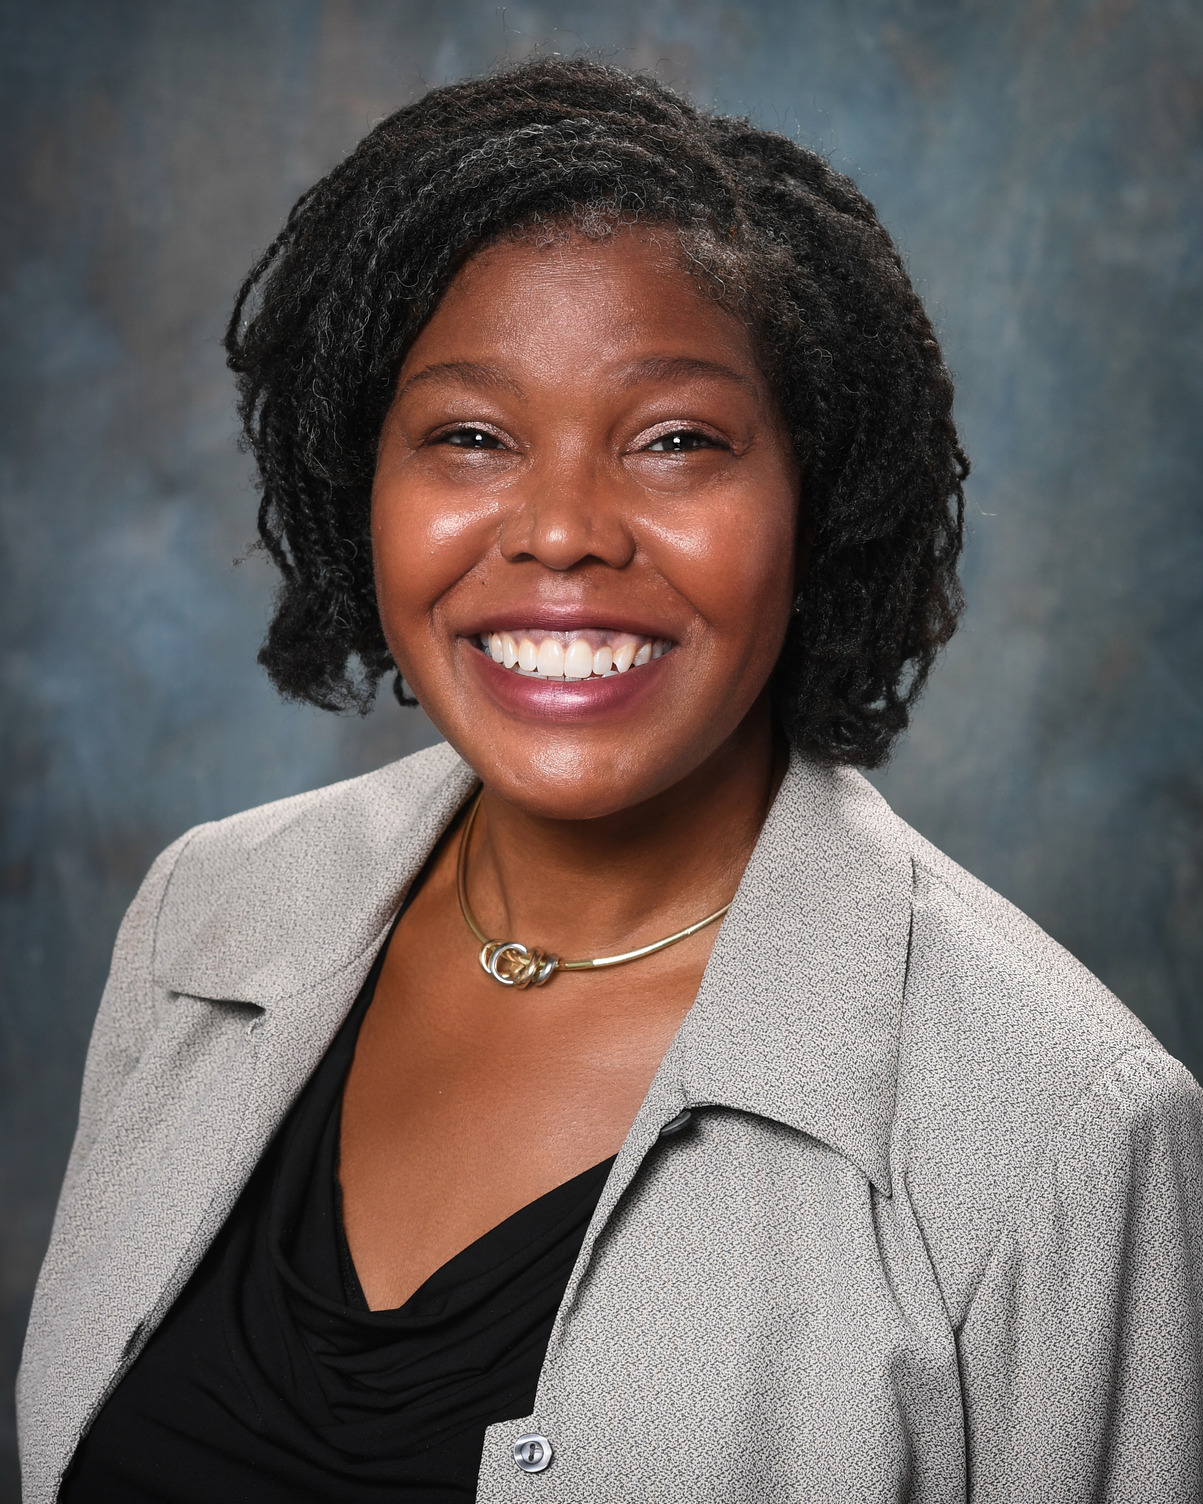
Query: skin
x,y
527,472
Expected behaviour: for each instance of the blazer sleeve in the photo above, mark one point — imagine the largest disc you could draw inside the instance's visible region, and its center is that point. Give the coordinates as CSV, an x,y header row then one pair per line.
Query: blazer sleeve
x,y
1082,1350
126,1020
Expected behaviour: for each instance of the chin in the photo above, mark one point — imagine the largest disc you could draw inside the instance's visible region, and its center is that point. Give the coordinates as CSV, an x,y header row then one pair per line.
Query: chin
x,y
560,783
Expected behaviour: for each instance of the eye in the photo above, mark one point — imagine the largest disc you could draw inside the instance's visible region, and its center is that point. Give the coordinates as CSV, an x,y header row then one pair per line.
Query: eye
x,y
682,441
470,438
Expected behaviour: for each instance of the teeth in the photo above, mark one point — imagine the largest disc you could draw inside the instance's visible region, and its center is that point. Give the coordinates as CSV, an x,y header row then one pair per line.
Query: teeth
x,y
552,658
578,660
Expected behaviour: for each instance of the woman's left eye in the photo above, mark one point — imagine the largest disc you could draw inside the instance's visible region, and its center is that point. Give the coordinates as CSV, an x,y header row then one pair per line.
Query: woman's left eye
x,y
683,441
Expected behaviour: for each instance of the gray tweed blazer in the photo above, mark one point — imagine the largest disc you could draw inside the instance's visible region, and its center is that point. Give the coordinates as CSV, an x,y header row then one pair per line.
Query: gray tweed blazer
x,y
935,1232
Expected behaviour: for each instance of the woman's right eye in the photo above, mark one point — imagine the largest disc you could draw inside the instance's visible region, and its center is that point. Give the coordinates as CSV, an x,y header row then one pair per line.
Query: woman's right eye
x,y
470,438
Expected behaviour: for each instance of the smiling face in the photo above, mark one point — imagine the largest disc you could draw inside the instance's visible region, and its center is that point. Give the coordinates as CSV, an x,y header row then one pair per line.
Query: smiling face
x,y
584,523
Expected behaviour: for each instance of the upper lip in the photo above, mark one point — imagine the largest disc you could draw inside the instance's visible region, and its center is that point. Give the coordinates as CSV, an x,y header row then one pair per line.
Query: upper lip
x,y
550,618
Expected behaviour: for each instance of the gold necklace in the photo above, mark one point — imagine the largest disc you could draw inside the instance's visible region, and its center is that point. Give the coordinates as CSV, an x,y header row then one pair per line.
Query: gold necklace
x,y
516,965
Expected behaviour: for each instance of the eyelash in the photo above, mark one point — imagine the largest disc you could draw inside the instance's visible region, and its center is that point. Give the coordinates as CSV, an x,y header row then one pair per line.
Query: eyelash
x,y
704,441
476,434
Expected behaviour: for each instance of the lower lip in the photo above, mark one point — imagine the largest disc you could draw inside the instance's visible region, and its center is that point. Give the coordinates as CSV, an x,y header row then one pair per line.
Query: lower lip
x,y
577,700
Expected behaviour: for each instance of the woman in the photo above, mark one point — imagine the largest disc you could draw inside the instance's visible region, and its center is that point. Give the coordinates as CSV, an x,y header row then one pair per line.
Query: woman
x,y
666,1120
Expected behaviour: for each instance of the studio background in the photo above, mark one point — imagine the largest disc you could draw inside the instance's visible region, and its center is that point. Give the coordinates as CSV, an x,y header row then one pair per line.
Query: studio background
x,y
1040,163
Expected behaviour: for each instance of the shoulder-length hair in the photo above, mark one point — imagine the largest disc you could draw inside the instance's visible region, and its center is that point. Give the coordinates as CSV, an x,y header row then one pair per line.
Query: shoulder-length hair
x,y
324,320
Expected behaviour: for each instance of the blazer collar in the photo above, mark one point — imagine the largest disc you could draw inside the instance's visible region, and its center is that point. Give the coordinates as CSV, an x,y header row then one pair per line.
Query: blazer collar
x,y
270,905
799,1012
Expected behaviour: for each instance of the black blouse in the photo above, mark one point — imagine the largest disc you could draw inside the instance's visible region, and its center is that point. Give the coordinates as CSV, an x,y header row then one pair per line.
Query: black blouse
x,y
271,1381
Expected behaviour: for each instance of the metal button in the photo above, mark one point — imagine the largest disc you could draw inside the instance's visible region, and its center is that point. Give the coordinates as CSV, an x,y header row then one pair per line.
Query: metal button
x,y
681,1120
532,1453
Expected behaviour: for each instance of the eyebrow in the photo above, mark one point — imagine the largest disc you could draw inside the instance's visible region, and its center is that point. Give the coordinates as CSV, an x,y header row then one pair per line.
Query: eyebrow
x,y
667,367
654,368
469,372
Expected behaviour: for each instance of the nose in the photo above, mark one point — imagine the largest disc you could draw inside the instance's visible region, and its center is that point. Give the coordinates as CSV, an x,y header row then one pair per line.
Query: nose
x,y
563,520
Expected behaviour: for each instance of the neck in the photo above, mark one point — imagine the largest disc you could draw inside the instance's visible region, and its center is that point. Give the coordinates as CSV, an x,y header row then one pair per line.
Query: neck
x,y
585,887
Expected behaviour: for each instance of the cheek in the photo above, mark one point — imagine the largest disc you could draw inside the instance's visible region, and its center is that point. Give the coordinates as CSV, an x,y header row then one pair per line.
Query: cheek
x,y
735,563
421,547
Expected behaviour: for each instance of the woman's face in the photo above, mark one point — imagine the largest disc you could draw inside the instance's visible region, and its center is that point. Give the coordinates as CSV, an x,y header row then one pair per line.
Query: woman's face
x,y
584,522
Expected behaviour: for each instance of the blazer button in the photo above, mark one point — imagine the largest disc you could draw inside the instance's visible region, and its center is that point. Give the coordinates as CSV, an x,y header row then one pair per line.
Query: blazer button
x,y
675,1125
532,1453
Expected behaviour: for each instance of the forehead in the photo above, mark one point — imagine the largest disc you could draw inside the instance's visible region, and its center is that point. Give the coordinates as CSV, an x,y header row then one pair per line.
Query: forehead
x,y
580,303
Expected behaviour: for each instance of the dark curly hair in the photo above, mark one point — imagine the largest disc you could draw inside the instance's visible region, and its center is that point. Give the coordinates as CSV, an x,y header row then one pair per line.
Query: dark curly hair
x,y
324,320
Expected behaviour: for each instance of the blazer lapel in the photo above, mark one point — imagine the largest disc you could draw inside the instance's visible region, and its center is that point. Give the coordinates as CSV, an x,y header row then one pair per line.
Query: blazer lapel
x,y
261,951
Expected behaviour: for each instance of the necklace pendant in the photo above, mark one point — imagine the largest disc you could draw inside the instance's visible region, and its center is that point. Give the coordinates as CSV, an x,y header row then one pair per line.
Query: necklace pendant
x,y
515,965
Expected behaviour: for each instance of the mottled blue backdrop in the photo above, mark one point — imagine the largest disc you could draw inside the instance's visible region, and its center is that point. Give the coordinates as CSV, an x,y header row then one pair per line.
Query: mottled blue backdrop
x,y
1041,164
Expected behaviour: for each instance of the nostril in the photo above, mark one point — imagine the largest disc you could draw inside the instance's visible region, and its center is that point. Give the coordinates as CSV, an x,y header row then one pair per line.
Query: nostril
x,y
564,530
